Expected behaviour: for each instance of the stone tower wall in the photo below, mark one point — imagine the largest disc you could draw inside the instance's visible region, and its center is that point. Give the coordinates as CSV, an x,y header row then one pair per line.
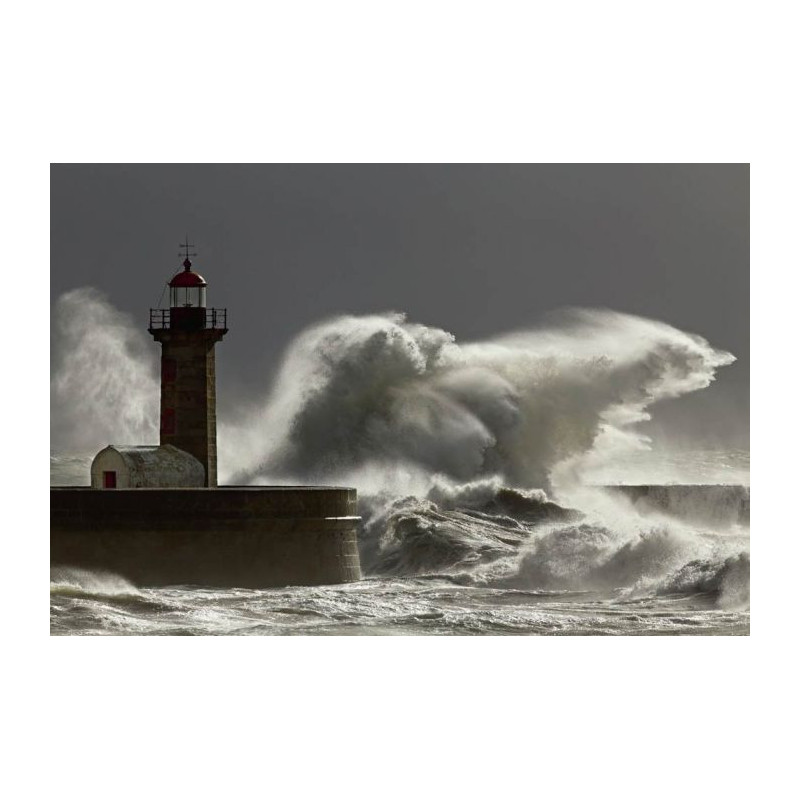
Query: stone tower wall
x,y
188,394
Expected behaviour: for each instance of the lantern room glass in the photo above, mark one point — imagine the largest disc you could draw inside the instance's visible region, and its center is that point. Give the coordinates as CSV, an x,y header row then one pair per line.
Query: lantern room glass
x,y
187,296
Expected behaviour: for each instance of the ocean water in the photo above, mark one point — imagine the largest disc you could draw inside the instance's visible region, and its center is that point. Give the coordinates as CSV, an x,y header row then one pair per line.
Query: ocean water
x,y
480,469
489,561
91,604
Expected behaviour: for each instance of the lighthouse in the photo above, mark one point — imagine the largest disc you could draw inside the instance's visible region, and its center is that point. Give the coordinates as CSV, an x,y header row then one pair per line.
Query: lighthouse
x,y
148,515
187,333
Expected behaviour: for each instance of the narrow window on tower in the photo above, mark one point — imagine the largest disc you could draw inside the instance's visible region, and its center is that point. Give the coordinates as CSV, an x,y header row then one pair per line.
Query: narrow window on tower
x,y
168,421
169,370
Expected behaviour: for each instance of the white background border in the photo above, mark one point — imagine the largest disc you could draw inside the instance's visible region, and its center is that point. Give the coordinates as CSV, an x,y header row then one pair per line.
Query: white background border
x,y
435,81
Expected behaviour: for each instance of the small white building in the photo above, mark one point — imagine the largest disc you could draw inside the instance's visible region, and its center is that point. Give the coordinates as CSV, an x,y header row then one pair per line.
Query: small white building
x,y
148,466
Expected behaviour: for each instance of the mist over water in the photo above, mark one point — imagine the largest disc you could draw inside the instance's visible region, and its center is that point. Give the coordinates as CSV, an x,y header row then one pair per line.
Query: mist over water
x,y
474,462
104,379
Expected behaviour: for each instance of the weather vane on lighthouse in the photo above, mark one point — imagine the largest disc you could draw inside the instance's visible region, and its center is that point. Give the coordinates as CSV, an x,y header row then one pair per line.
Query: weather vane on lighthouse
x,y
185,246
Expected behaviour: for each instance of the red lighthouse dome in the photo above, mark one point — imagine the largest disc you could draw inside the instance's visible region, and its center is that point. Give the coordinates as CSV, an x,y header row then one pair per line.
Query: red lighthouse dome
x,y
187,289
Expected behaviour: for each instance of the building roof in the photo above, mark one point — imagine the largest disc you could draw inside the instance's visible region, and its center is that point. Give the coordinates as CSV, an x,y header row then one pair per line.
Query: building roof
x,y
187,277
159,464
150,455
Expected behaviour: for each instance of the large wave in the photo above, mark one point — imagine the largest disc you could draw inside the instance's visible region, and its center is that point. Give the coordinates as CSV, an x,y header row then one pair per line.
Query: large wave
x,y
386,400
495,536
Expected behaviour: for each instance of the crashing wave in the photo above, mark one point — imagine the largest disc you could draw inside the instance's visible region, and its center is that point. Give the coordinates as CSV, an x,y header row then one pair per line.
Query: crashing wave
x,y
84,582
728,579
540,545
364,394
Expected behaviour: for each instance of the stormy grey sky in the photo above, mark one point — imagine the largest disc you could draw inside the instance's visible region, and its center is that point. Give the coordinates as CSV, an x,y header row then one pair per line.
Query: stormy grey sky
x,y
475,249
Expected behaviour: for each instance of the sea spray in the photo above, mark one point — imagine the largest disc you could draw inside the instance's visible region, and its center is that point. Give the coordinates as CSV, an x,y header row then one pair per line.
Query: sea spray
x,y
104,384
75,581
364,394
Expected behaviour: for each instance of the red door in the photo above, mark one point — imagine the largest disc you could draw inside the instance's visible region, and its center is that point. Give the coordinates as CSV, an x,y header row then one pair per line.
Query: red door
x,y
110,480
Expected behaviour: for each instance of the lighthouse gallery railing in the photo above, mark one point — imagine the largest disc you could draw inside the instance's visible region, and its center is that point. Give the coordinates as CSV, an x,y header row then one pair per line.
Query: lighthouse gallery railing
x,y
215,318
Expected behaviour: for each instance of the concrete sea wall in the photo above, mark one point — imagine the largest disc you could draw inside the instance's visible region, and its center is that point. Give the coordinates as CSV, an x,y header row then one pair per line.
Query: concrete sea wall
x,y
712,504
245,536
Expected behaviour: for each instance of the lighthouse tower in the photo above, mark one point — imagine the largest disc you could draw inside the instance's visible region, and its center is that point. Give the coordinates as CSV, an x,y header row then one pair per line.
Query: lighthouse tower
x,y
187,332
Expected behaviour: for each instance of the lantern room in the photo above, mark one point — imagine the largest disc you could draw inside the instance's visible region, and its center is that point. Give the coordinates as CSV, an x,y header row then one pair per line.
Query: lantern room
x,y
187,289
187,303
